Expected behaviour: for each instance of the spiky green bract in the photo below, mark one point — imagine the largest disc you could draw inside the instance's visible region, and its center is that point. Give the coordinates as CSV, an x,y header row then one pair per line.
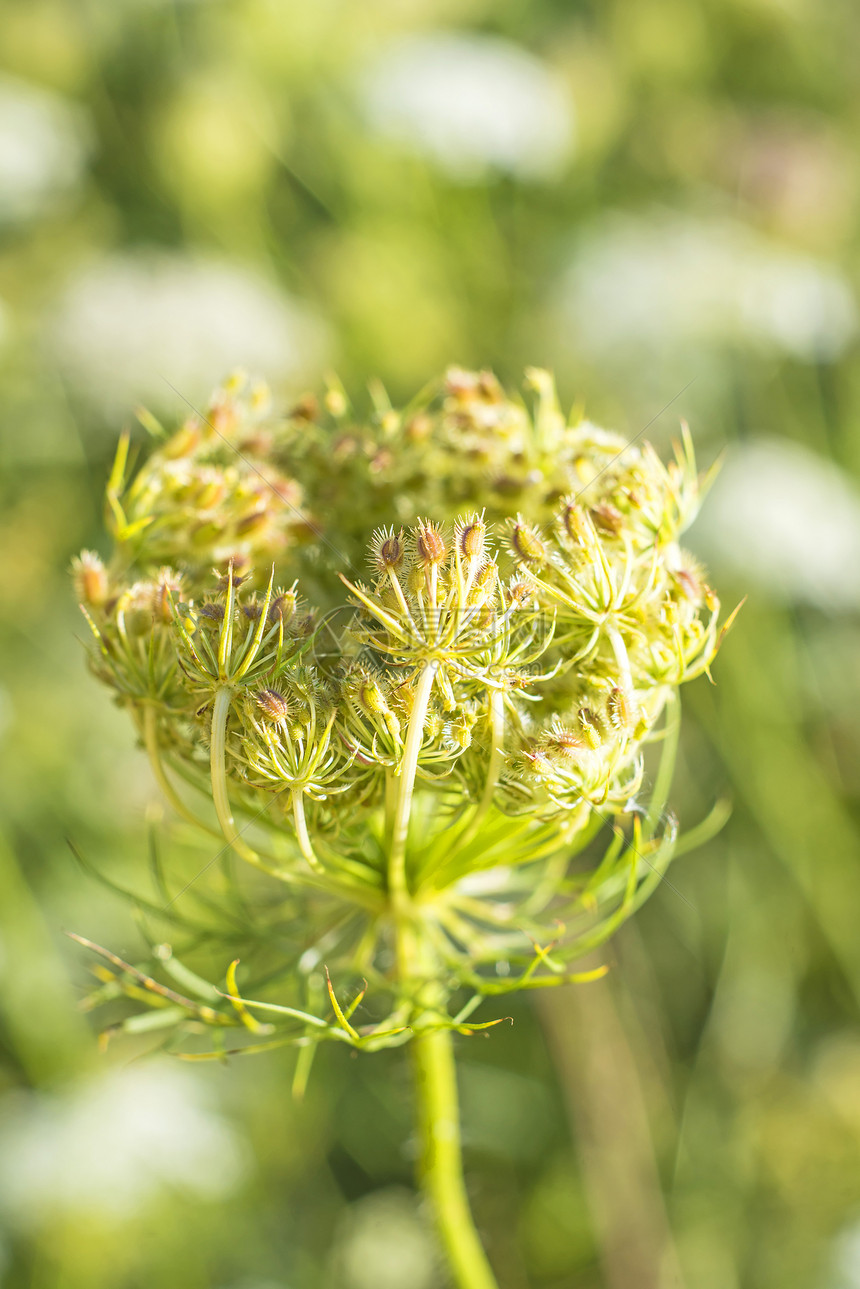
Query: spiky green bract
x,y
421,763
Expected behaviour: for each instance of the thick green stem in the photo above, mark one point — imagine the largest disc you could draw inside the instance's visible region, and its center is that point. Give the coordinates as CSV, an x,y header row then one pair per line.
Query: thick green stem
x,y
408,768
441,1161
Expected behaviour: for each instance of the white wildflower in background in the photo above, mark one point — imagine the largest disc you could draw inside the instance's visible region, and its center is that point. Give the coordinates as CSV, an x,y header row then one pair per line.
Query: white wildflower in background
x,y
785,520
112,1144
383,1243
43,149
640,285
846,1259
471,104
128,324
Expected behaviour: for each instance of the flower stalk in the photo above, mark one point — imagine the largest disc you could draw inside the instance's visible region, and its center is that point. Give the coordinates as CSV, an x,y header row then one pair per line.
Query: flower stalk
x,y
441,1160
217,762
403,802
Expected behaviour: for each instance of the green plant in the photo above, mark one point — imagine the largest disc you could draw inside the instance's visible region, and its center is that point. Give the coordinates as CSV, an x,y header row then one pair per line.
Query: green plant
x,y
419,763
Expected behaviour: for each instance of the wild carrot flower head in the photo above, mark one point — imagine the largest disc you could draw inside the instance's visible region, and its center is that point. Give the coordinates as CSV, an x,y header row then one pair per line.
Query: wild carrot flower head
x,y
475,712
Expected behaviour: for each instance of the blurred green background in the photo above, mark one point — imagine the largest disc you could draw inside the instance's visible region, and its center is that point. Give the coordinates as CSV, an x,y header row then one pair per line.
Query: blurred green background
x,y
660,199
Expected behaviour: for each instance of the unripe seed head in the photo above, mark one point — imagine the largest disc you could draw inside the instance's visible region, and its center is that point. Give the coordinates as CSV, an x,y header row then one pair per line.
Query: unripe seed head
x,y
91,579
209,490
253,523
590,725
472,537
485,579
212,613
371,697
619,709
283,606
429,543
564,742
273,703
520,593
168,587
608,519
575,524
527,544
388,549
184,441
233,575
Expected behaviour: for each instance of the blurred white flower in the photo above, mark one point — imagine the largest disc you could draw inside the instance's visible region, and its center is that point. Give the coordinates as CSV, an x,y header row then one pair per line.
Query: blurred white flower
x,y
470,103
128,324
637,286
383,1243
43,149
846,1259
781,518
111,1144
